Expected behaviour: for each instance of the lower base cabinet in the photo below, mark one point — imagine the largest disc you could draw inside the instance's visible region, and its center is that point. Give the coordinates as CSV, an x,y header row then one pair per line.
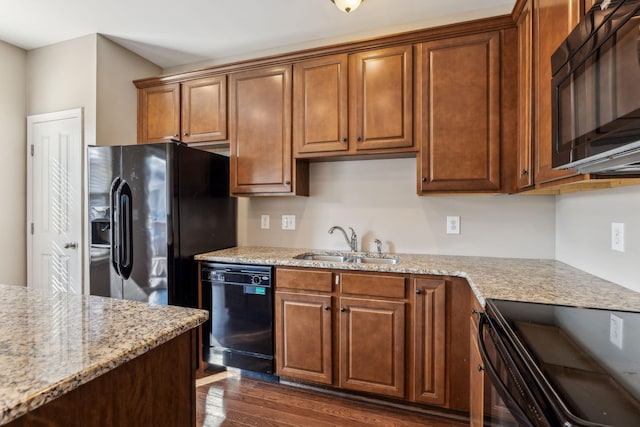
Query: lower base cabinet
x,y
399,336
372,346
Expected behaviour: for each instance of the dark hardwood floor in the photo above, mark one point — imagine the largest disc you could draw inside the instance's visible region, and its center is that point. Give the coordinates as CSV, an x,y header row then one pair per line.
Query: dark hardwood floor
x,y
230,400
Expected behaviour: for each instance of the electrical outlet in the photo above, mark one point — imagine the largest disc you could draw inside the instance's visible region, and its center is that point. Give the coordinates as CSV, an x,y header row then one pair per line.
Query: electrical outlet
x,y
453,225
264,222
617,236
288,222
616,331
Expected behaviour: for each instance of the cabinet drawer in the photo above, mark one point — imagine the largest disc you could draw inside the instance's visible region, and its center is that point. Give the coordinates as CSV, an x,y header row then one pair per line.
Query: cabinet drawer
x,y
309,280
377,286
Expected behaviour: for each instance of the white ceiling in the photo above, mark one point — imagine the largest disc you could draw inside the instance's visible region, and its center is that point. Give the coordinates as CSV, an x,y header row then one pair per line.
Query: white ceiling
x,y
171,33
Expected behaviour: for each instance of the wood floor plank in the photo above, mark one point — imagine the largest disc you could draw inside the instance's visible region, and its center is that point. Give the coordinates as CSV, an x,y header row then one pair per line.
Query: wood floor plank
x,y
243,401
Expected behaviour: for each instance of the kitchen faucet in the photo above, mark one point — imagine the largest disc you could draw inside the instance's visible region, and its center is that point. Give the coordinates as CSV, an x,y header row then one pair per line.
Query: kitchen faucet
x,y
352,242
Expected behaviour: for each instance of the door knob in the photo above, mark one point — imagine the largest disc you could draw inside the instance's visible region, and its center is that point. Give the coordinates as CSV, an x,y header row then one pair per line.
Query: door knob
x,y
71,245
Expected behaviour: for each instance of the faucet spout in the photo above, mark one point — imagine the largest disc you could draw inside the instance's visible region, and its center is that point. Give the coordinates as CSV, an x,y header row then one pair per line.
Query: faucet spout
x,y
351,241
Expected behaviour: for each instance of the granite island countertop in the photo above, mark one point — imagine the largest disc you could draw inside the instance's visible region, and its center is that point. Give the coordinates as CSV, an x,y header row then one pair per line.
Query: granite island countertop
x,y
515,279
51,343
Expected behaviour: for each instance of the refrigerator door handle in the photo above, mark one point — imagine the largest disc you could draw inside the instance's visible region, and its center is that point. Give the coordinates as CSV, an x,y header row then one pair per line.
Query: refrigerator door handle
x,y
115,227
126,229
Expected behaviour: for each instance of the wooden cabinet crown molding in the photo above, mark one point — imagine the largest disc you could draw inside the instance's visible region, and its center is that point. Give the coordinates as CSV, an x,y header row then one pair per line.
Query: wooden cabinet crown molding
x,y
445,31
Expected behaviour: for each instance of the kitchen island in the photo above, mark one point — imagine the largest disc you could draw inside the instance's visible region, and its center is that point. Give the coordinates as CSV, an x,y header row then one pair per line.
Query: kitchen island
x,y
86,360
516,279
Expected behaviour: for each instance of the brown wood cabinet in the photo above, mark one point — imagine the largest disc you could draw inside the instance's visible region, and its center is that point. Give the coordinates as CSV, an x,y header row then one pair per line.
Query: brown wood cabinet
x,y
354,104
476,370
320,105
553,21
372,333
204,109
130,394
460,114
159,113
190,111
525,171
261,161
394,335
429,320
304,326
365,347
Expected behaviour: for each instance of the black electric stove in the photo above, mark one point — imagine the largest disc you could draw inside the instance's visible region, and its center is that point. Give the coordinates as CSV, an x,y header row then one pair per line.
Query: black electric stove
x,y
557,365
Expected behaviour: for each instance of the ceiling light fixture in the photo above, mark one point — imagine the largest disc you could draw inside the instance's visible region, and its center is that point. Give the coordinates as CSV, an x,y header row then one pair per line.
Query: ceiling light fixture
x,y
347,5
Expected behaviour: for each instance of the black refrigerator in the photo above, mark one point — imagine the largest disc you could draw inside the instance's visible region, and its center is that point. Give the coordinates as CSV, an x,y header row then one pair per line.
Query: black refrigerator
x,y
152,207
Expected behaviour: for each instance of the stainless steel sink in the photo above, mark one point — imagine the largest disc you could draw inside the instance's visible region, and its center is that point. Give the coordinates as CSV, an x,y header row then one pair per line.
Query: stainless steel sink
x,y
376,260
348,257
312,256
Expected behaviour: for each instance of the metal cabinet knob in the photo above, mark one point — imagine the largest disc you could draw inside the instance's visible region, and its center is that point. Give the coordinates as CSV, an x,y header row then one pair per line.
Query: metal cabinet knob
x,y
287,183
176,135
327,308
480,368
418,291
424,179
359,139
343,139
186,134
71,245
525,172
342,309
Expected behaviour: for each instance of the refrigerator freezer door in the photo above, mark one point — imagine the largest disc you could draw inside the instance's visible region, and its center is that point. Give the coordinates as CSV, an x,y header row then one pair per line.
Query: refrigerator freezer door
x,y
144,169
104,168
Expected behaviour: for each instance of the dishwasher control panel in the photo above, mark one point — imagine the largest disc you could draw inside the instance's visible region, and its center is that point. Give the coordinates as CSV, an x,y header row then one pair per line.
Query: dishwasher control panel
x,y
237,274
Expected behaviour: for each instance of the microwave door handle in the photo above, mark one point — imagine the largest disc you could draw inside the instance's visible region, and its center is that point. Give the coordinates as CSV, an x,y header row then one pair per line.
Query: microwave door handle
x,y
494,377
115,226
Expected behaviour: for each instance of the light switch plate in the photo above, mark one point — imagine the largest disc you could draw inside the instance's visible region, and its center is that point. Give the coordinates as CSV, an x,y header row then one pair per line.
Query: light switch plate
x,y
288,222
453,225
264,222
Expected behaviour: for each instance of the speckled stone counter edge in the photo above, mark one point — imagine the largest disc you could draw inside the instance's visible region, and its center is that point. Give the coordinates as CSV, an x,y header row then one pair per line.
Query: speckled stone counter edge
x,y
12,410
516,279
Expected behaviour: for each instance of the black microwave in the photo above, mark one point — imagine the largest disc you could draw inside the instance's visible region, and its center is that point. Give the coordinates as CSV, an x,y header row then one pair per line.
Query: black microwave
x,y
596,92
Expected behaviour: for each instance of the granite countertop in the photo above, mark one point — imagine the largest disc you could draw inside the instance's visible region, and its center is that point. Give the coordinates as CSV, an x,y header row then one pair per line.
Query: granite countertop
x,y
51,343
515,279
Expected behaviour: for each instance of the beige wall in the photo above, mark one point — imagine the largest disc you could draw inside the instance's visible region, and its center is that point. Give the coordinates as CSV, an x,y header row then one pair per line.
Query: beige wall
x,y
63,76
378,199
583,233
13,110
116,93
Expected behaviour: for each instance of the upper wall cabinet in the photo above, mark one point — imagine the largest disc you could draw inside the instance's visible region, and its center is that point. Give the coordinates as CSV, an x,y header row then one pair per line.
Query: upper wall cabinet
x,y
553,21
260,134
204,109
159,113
525,171
191,111
460,114
354,104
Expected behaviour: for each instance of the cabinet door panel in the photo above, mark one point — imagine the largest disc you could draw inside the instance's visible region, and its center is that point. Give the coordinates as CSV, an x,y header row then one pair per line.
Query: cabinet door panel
x,y
429,341
554,20
260,131
372,346
159,113
381,88
476,374
306,279
320,105
204,109
525,91
461,114
303,337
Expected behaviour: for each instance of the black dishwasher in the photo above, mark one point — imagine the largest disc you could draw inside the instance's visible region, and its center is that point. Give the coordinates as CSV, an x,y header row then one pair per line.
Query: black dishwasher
x,y
240,302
